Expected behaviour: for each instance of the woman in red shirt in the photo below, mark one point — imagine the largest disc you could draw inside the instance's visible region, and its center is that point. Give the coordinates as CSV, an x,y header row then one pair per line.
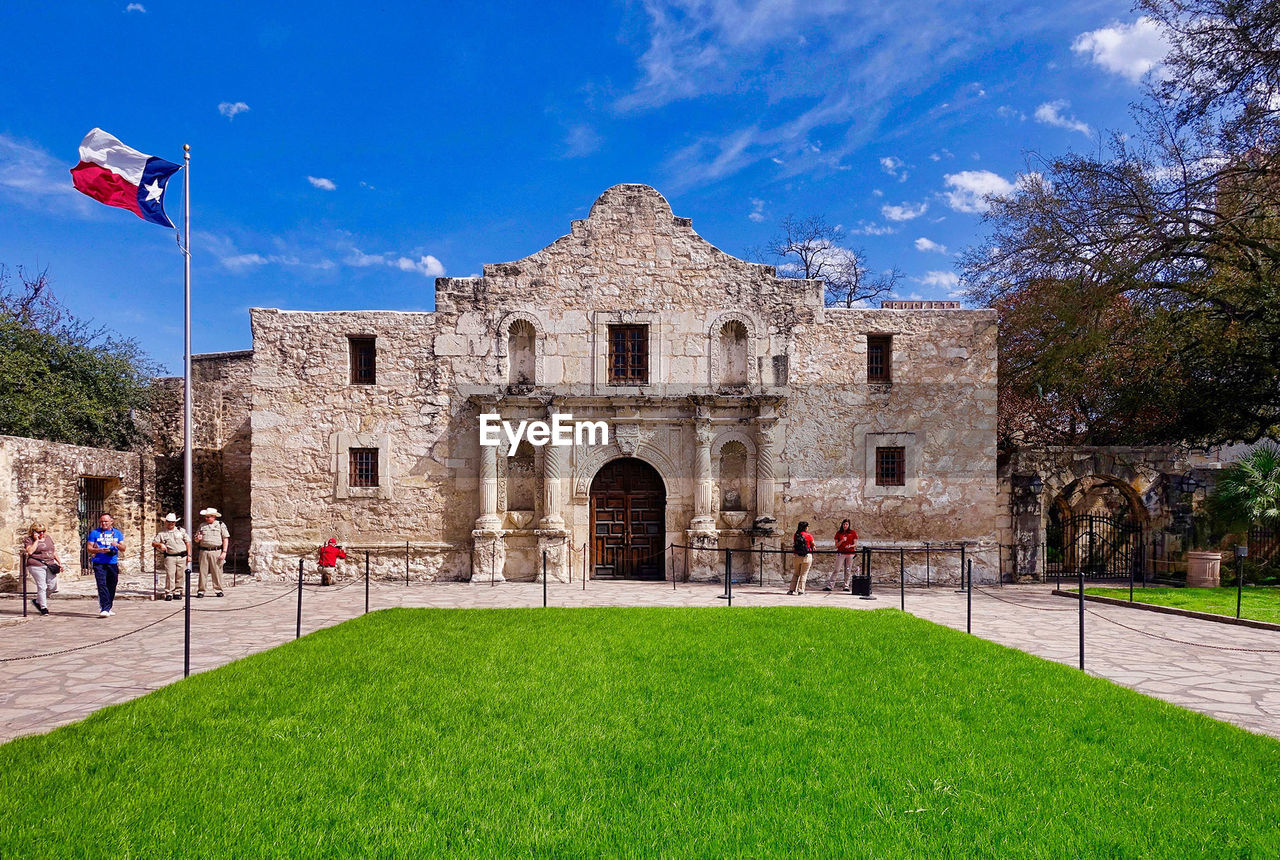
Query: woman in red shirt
x,y
846,547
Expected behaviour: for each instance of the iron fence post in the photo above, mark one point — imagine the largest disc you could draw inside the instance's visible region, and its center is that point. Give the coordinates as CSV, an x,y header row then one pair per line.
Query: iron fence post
x,y
366,582
902,577
406,564
544,579
926,564
298,632
728,575
22,561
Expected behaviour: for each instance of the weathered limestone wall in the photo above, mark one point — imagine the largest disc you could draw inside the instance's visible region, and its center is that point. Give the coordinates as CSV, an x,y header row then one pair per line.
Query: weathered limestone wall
x,y
787,421
307,414
221,444
38,482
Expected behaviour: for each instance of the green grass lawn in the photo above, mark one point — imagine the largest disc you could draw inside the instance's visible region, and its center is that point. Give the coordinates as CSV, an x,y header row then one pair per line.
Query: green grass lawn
x,y
1261,603
629,732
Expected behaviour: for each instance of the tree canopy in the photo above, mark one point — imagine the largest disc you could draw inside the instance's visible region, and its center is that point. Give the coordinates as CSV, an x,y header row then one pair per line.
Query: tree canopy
x,y
811,247
1139,287
65,380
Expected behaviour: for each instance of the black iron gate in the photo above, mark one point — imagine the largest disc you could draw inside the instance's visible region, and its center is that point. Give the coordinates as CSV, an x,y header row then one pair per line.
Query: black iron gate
x,y
1103,547
91,503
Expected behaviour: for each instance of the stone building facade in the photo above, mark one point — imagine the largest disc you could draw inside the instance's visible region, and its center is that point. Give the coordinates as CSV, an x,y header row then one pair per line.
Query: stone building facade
x,y
736,404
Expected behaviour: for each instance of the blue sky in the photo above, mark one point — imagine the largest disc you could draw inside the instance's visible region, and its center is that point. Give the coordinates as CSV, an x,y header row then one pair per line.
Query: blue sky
x,y
344,155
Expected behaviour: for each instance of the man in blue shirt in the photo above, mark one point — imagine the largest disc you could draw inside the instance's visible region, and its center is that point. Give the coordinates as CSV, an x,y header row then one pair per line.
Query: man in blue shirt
x,y
105,544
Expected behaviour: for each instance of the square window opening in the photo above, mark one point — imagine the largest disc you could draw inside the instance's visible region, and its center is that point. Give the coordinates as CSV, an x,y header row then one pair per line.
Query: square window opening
x,y
891,467
364,360
364,467
879,357
628,355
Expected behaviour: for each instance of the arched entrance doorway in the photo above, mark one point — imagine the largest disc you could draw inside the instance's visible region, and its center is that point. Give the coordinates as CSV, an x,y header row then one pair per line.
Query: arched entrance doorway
x,y
628,521
1096,526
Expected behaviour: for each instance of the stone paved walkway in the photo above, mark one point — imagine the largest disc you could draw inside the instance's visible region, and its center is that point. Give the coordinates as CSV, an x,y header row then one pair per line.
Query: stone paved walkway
x,y
38,695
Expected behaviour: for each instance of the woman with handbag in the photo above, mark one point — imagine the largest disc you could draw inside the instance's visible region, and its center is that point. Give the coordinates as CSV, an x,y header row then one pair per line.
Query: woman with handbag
x,y
43,564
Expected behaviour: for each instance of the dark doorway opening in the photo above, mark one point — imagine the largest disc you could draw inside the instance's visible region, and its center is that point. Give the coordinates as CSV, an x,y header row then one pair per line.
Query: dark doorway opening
x,y
628,521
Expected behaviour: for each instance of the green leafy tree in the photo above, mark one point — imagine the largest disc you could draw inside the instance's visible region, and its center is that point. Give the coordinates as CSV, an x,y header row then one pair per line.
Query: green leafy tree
x,y
65,380
1175,229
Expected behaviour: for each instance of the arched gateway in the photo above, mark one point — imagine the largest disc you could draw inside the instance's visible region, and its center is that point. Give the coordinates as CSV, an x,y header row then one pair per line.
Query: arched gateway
x,y
628,521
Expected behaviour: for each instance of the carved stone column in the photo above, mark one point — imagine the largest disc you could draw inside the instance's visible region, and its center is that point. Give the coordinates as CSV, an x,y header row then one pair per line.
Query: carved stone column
x,y
488,549
553,537
703,520
489,518
765,433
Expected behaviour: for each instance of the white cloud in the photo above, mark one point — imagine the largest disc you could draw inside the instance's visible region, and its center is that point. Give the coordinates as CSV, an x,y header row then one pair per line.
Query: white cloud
x,y
322,183
136,7
949,280
904,212
230,109
757,210
1131,50
1050,113
1007,112
425,264
894,166
970,188
923,244
31,177
859,70
581,141
866,228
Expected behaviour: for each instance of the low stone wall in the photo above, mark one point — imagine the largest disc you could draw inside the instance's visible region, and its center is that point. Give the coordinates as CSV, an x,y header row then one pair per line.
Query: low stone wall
x,y
39,481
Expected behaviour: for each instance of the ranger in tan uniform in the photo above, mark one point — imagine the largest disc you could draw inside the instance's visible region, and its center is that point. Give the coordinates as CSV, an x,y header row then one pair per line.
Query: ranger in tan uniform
x,y
212,539
174,544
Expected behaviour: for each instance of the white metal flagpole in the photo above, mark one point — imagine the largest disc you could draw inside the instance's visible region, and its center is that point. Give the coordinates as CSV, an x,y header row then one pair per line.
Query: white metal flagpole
x,y
186,406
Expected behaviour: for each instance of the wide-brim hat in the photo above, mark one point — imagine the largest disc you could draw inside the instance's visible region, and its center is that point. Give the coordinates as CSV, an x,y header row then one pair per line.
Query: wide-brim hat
x,y
170,518
210,512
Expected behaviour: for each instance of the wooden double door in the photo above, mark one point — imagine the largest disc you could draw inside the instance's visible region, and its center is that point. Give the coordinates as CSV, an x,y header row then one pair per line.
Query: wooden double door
x,y
628,521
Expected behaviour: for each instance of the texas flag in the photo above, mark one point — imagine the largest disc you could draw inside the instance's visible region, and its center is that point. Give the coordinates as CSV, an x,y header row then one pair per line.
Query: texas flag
x,y
119,175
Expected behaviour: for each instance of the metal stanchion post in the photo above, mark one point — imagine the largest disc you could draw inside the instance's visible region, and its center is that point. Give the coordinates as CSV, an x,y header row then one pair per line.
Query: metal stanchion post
x,y
671,554
366,582
968,621
902,578
1082,618
1241,552
585,563
22,572
544,579
155,575
926,564
406,564
728,575
298,633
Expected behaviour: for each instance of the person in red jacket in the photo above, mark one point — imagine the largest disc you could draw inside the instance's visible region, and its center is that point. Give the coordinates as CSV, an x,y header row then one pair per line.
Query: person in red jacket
x,y
846,547
329,555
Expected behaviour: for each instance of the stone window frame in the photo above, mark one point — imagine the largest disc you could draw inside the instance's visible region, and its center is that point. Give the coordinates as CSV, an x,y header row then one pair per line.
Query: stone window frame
x,y
600,330
911,444
341,445
504,338
716,364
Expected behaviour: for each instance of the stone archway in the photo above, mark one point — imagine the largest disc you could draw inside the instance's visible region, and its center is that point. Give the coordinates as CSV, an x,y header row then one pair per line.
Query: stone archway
x,y
628,515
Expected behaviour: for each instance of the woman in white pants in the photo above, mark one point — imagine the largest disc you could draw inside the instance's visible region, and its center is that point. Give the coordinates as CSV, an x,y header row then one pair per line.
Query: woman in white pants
x,y
40,555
